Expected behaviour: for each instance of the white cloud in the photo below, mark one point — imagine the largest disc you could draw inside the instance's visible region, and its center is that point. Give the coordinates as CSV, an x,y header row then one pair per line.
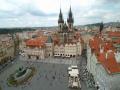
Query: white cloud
x,y
45,12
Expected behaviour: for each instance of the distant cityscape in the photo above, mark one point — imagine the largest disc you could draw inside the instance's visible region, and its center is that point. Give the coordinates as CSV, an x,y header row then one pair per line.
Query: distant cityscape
x,y
82,57
20,29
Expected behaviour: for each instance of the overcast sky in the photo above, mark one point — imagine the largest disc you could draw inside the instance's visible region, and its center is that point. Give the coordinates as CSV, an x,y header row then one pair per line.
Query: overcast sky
x,y
17,13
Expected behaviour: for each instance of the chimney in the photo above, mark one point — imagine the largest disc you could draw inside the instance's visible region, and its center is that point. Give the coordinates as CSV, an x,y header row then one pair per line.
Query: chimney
x,y
101,48
106,55
109,51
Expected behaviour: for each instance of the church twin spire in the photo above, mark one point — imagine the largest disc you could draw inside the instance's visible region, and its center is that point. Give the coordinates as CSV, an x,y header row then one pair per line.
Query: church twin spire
x,y
69,19
60,20
66,30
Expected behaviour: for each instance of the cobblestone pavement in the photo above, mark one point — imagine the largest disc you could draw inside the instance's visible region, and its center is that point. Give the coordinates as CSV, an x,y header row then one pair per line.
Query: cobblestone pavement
x,y
50,75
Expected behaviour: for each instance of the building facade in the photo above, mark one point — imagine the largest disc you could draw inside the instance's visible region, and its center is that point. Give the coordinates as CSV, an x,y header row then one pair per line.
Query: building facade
x,y
103,63
6,48
35,48
68,45
66,42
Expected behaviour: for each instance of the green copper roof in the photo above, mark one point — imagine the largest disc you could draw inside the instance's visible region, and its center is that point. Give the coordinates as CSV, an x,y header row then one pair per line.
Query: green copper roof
x,y
117,45
114,38
49,40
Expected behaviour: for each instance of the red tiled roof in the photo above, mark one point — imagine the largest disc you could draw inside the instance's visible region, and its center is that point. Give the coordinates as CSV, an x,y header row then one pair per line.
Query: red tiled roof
x,y
36,42
110,64
114,34
94,44
108,46
101,57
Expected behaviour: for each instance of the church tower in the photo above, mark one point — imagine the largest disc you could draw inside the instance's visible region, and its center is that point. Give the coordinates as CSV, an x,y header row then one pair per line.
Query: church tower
x,y
60,20
70,19
49,46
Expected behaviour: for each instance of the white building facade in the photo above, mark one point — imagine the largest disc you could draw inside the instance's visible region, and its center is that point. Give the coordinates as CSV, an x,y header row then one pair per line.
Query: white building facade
x,y
106,78
68,50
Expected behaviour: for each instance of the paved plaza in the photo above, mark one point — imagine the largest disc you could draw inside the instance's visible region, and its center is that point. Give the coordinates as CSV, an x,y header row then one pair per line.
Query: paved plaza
x,y
50,75
69,61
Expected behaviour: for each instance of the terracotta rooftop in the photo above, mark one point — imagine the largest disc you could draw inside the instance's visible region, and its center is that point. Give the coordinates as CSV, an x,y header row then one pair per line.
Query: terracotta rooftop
x,y
114,34
108,46
36,42
56,39
94,43
110,64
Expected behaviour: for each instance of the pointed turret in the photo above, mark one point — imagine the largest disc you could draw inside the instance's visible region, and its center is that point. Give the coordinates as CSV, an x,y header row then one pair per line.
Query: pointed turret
x,y
70,19
49,46
60,20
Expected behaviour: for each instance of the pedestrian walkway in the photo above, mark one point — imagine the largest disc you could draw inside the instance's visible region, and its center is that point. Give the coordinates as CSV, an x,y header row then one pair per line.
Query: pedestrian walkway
x,y
71,61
